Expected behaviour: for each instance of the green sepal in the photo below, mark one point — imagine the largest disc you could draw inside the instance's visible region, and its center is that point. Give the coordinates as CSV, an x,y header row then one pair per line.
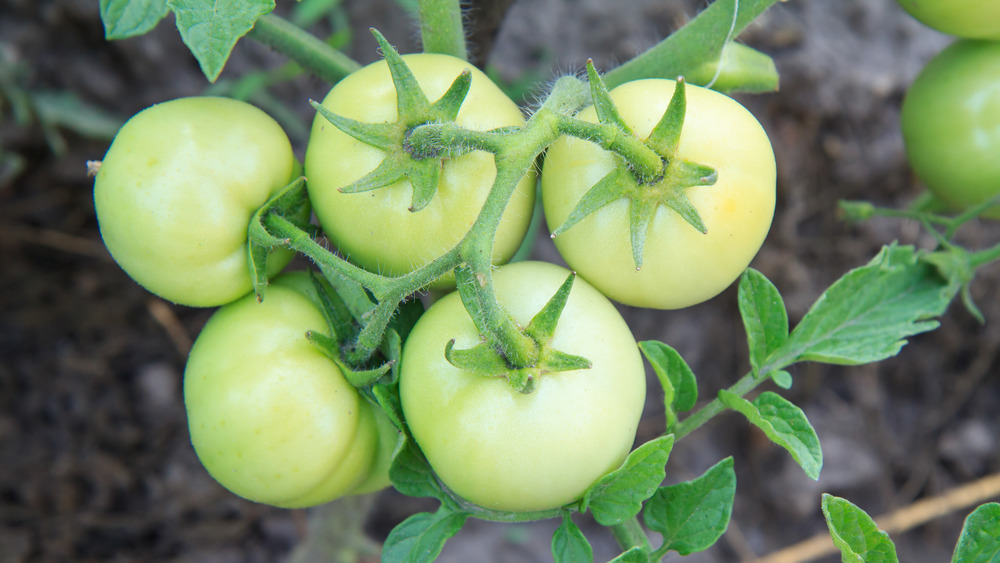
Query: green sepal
x,y
410,99
378,135
292,203
611,187
485,358
357,378
338,316
606,110
666,134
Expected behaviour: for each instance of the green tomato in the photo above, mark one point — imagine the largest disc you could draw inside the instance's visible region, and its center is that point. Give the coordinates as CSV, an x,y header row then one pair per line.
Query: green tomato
x,y
951,123
510,451
971,19
176,190
272,418
375,229
681,266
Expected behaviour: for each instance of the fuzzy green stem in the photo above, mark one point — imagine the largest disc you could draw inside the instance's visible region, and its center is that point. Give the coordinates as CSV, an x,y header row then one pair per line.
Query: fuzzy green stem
x,y
303,48
644,161
985,256
746,384
441,28
300,241
629,534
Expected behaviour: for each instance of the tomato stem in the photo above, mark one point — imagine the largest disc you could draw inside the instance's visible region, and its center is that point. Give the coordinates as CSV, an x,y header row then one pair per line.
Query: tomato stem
x,y
441,28
302,47
745,384
629,534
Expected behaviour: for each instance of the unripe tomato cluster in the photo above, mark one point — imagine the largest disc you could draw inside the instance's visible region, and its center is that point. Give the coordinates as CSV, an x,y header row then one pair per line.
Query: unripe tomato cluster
x,y
275,421
951,113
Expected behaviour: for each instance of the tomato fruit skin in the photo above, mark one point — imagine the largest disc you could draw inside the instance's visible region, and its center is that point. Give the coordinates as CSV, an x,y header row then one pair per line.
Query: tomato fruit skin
x,y
971,19
271,418
176,190
520,452
681,266
375,229
950,121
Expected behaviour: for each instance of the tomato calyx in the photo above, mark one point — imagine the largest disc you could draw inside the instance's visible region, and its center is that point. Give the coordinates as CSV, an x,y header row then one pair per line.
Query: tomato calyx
x,y
489,360
293,204
645,192
420,165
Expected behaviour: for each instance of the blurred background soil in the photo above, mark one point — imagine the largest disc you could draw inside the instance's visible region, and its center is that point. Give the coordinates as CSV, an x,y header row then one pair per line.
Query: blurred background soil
x,y
95,462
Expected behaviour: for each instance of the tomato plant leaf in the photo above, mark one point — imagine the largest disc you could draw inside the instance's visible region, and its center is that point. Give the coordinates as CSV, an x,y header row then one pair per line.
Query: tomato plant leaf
x,y
739,68
700,40
692,516
636,554
421,537
784,423
128,18
412,475
855,533
569,545
866,315
955,264
210,28
680,389
764,316
980,539
781,378
619,495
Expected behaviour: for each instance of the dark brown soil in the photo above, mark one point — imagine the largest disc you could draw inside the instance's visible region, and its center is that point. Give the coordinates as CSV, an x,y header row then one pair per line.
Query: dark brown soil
x,y
95,462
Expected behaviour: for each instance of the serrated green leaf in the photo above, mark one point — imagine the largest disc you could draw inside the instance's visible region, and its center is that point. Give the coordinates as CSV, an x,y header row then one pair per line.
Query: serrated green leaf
x,y
128,18
680,389
412,475
980,539
784,423
855,533
692,516
866,315
210,28
619,495
421,537
634,555
764,316
569,545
